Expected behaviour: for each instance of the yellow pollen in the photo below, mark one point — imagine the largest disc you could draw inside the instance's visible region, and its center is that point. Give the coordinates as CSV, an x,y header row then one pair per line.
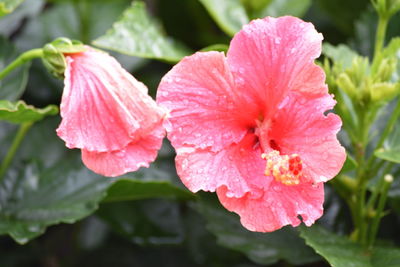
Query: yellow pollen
x,y
286,169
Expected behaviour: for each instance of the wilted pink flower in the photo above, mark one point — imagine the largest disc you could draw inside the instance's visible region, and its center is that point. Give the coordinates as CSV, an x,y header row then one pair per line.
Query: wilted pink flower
x,y
251,125
108,114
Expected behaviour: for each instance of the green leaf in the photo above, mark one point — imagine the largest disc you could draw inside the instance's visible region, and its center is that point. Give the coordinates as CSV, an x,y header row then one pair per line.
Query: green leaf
x,y
391,147
133,189
61,189
364,32
349,165
340,54
230,15
339,251
12,86
41,143
279,8
62,19
157,181
392,155
154,221
20,112
216,47
31,199
262,248
393,50
386,256
8,6
26,11
138,34
394,195
255,4
341,13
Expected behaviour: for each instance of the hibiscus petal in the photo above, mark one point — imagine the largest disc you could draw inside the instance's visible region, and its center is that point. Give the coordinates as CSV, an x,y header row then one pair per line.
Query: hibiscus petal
x,y
310,81
135,155
236,168
272,56
204,105
103,107
301,127
280,205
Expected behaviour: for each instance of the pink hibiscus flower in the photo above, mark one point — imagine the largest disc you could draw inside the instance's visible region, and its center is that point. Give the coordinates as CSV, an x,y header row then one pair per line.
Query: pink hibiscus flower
x,y
108,114
251,125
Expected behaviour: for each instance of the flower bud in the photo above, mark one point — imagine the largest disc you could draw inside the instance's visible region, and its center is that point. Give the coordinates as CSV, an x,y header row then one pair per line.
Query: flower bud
x,y
359,70
384,91
386,8
385,70
345,83
53,55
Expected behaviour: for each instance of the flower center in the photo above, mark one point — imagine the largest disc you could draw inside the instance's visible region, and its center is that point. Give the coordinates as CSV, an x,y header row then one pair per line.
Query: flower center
x,y
286,169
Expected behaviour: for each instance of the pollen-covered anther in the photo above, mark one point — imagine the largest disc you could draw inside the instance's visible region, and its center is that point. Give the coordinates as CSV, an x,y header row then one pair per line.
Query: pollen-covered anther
x,y
286,169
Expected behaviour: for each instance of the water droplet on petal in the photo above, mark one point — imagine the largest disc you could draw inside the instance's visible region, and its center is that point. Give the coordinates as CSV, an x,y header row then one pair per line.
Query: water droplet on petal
x,y
226,135
185,163
302,100
230,194
284,102
277,188
239,81
256,194
120,153
323,178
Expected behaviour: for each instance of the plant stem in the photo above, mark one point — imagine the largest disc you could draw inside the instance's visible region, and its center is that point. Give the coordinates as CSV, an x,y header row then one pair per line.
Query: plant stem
x,y
371,162
360,201
365,164
23,129
375,167
388,179
372,199
389,126
345,186
362,177
380,34
22,59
